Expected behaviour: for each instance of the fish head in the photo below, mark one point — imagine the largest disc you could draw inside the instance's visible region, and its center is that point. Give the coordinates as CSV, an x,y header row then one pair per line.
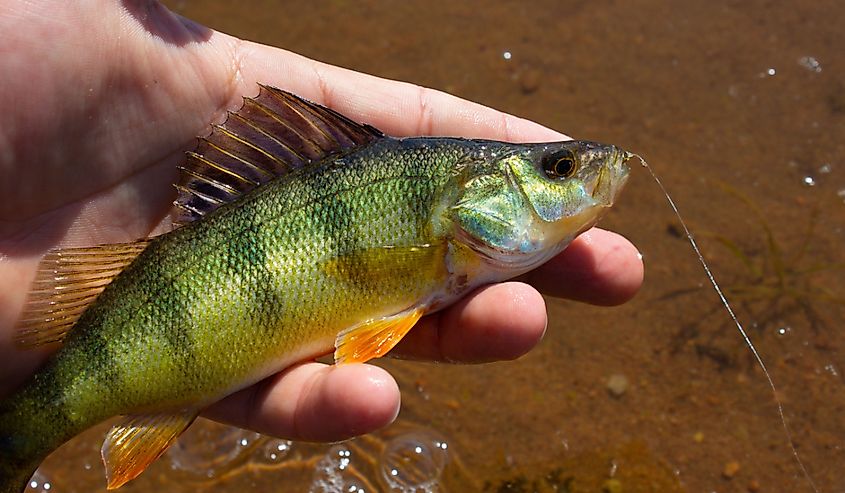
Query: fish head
x,y
524,203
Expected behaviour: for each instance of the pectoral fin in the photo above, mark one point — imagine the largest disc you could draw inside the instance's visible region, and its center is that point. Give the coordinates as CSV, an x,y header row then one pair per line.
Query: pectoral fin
x,y
136,441
374,338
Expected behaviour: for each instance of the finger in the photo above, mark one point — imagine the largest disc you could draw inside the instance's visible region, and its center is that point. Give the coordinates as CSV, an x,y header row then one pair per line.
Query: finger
x,y
397,108
599,267
314,402
498,322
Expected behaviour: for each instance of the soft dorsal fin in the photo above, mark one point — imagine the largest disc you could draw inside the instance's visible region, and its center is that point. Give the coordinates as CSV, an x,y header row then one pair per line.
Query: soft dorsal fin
x,y
67,281
271,135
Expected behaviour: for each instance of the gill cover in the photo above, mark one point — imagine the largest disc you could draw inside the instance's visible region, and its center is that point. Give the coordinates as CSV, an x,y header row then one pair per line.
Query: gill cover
x,y
491,212
530,202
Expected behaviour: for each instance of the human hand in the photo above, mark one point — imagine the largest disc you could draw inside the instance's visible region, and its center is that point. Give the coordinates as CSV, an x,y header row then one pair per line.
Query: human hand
x,y
96,118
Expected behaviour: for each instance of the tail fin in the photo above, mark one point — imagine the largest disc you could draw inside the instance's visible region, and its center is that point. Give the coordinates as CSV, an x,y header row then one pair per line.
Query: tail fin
x,y
15,468
14,481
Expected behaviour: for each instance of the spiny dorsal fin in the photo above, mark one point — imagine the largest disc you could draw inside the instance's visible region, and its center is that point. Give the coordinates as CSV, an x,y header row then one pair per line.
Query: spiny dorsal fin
x,y
67,281
271,135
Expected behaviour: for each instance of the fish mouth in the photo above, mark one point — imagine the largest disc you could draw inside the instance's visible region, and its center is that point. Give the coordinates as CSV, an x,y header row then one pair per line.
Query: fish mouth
x,y
611,178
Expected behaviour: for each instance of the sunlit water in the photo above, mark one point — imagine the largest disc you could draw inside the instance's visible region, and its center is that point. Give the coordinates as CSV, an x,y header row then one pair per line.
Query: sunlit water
x,y
405,459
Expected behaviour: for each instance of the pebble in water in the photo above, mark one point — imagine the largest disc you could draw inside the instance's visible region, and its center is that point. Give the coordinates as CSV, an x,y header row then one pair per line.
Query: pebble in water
x,y
529,80
209,449
413,462
730,470
617,385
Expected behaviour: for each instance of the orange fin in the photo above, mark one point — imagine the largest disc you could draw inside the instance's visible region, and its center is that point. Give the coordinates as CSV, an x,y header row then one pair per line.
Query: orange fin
x,y
67,281
271,135
374,338
136,441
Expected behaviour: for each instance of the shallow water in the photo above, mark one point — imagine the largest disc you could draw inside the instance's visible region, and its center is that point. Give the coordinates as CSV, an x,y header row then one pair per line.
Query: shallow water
x,y
740,108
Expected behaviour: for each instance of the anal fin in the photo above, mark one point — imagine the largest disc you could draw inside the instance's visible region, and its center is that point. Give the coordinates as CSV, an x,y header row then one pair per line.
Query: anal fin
x,y
136,441
374,338
68,280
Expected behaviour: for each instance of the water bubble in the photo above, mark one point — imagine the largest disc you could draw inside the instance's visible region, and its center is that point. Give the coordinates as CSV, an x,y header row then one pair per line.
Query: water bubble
x,y
507,55
769,72
209,449
825,168
413,462
784,331
39,483
810,63
809,181
273,451
334,473
831,369
841,194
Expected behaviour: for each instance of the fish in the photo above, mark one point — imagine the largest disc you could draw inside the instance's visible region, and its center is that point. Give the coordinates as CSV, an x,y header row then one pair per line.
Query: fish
x,y
298,232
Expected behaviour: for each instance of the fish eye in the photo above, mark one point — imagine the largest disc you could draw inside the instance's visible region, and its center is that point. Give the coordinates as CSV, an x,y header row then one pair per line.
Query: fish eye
x,y
560,164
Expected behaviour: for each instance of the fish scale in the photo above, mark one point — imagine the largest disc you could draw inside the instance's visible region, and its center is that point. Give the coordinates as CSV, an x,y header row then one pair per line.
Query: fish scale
x,y
344,252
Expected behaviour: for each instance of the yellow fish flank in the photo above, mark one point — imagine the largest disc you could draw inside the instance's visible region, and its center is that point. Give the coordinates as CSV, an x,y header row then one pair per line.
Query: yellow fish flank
x,y
298,231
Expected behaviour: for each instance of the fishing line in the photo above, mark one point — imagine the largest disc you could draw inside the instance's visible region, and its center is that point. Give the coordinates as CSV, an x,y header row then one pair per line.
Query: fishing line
x,y
739,327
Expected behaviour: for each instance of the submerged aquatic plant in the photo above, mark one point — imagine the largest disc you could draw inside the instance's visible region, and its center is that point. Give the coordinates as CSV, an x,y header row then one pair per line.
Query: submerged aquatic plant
x,y
785,281
773,285
630,467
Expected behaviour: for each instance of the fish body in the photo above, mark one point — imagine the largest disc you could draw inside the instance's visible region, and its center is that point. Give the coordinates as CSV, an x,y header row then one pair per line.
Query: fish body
x,y
344,251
